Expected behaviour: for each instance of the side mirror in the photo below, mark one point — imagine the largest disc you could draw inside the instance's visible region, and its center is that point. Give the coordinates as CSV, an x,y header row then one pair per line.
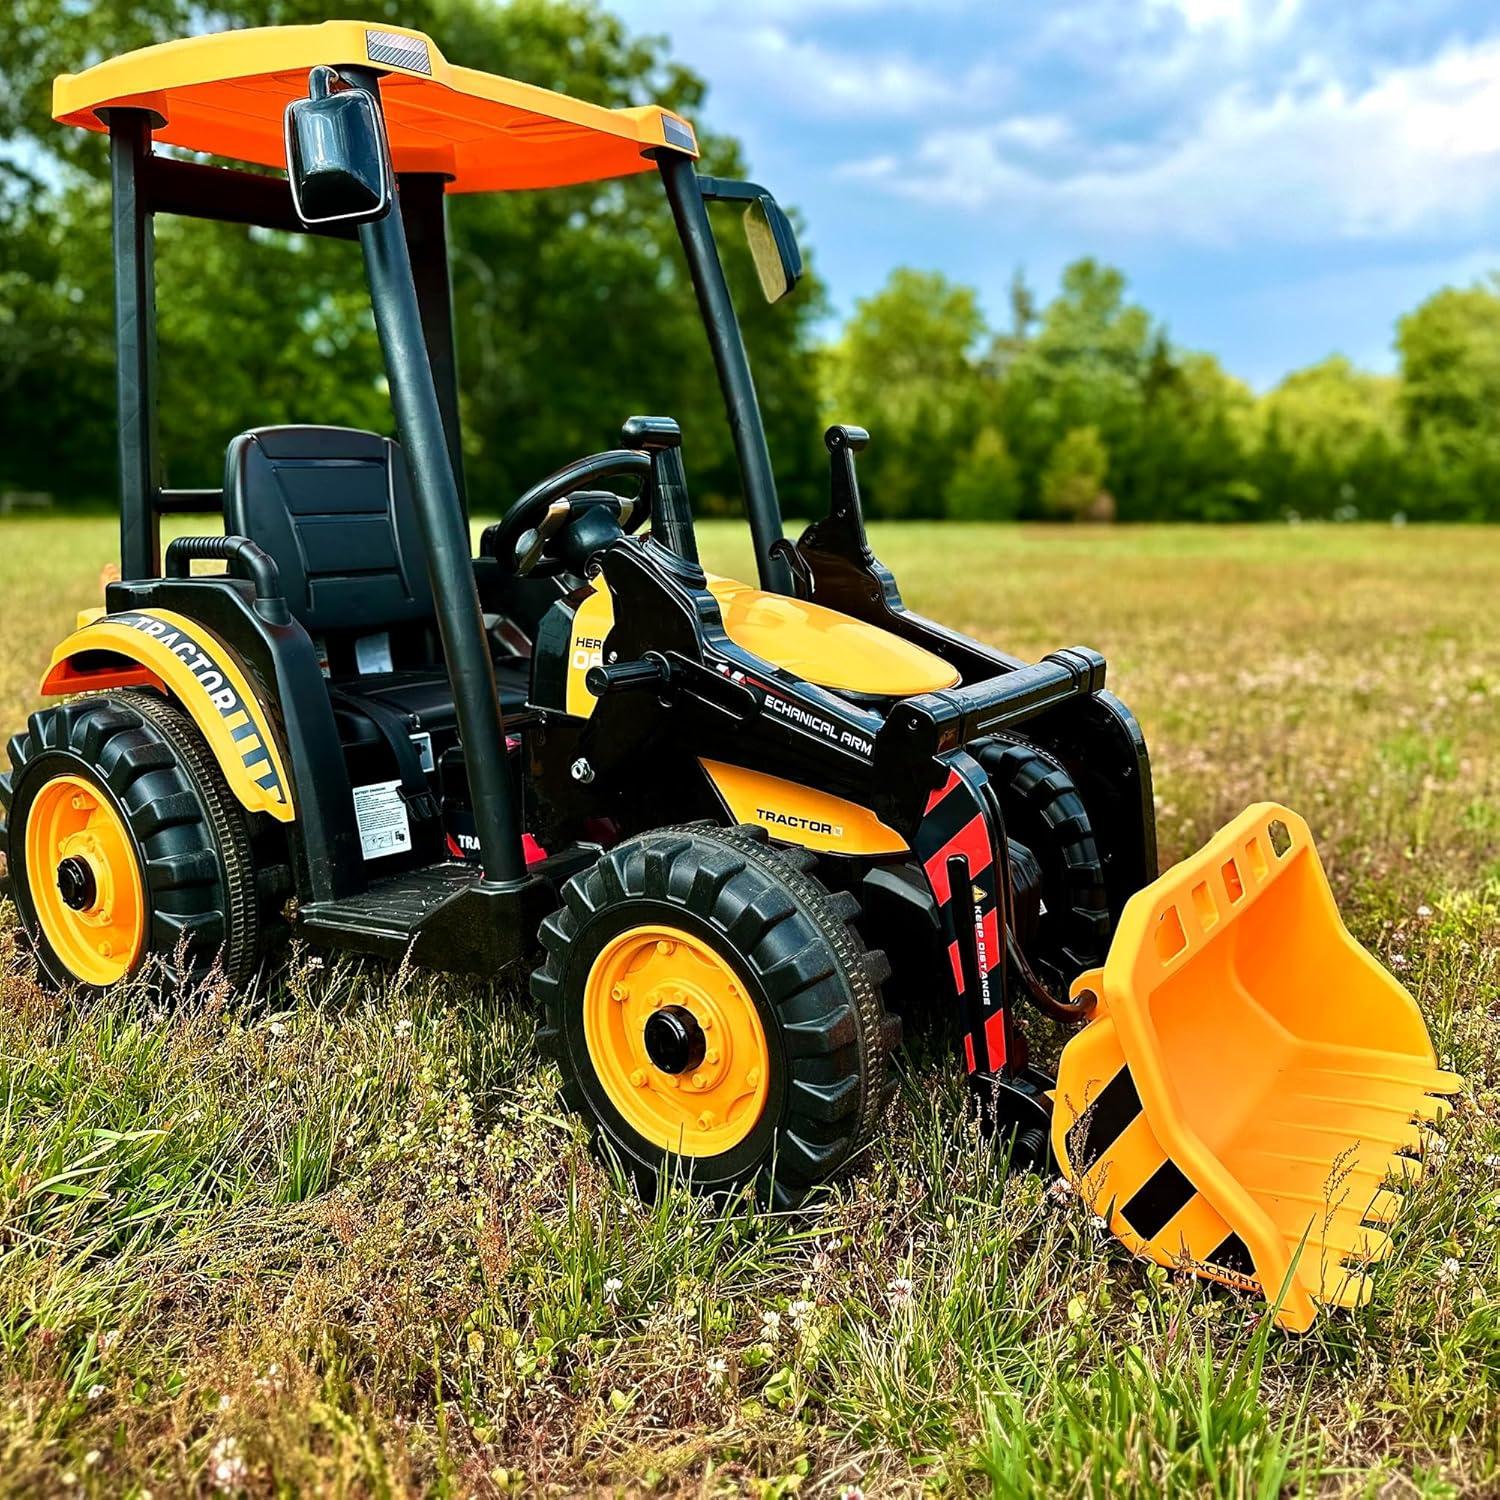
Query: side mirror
x,y
336,155
773,247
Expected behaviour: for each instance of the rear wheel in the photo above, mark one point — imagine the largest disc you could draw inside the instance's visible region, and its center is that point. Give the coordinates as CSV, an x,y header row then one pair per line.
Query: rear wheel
x,y
122,841
714,1012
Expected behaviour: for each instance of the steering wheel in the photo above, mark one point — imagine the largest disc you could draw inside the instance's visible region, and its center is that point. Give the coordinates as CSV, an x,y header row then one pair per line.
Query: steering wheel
x,y
532,538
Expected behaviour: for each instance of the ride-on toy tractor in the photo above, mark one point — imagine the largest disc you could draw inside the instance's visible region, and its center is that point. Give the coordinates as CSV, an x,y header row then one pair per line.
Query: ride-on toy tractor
x,y
731,824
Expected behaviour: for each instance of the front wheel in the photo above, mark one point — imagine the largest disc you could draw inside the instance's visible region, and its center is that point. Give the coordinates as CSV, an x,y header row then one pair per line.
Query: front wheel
x,y
715,1014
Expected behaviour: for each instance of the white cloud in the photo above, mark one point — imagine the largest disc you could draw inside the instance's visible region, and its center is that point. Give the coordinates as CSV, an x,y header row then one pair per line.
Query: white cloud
x,y
1244,16
1413,151
818,80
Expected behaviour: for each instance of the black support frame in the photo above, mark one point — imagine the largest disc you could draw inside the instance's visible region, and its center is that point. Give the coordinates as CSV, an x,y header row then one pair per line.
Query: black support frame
x,y
144,185
746,425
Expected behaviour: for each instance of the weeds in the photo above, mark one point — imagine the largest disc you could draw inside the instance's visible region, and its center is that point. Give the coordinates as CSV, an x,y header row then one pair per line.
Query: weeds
x,y
334,1234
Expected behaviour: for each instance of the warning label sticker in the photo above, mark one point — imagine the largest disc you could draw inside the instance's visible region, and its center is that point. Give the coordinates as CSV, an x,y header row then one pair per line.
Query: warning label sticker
x,y
381,814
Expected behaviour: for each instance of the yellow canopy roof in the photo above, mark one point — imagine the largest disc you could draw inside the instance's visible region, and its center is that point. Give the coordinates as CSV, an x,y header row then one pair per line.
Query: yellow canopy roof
x,y
225,94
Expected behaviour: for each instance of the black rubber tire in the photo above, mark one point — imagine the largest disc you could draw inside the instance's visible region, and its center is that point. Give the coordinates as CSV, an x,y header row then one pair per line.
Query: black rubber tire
x,y
794,947
191,838
1044,811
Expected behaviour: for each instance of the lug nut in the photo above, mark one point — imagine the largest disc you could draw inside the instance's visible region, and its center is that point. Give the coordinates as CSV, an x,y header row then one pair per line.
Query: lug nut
x,y
705,1120
700,1081
620,993
639,1079
666,948
752,1078
581,771
711,1056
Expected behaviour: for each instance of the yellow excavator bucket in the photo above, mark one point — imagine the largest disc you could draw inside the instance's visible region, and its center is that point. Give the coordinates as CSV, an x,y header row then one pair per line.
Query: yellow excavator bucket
x,y
1251,1093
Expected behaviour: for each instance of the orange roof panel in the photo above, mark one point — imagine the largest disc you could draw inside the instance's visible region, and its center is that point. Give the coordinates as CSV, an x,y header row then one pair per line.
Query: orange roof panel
x,y
225,95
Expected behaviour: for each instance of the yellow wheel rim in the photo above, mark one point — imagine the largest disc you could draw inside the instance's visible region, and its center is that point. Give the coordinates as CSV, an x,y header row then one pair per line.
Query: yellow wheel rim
x,y
676,1042
84,880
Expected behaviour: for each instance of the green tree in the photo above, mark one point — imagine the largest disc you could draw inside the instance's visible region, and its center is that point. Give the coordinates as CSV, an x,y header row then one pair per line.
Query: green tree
x,y
1073,481
1085,367
985,485
1450,399
573,307
906,369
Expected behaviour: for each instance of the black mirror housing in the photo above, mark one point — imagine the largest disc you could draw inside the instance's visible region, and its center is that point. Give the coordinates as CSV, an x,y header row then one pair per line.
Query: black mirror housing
x,y
336,155
773,241
773,247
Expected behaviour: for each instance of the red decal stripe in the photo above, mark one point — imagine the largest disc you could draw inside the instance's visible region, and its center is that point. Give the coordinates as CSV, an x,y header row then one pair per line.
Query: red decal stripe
x,y
994,1040
973,842
956,959
943,790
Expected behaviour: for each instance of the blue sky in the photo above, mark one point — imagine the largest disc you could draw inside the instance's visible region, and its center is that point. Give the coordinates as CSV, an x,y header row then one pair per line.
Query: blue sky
x,y
1280,179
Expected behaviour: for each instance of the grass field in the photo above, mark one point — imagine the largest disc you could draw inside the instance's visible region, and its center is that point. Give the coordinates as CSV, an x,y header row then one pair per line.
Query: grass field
x,y
335,1236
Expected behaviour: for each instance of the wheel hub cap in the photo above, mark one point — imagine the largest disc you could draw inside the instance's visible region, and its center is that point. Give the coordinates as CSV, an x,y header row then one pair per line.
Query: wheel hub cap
x,y
676,1041
84,880
77,884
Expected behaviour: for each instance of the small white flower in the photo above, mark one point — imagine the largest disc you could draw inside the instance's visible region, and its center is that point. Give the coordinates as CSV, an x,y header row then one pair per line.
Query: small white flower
x,y
1059,1190
851,1492
770,1325
613,1286
91,1458
1492,1161
1424,911
1398,960
96,1391
403,1027
225,1466
899,1290
277,1028
1449,1272
718,1370
800,1312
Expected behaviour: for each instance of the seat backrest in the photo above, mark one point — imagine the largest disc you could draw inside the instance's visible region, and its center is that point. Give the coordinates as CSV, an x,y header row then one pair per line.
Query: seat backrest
x,y
333,506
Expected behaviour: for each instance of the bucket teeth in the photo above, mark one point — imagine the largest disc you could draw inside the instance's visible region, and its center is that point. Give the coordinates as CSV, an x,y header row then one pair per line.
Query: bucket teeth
x,y
1384,1208
1341,1286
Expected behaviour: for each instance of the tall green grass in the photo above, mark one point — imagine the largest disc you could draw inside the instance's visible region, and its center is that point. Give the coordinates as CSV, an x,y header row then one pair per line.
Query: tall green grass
x,y
332,1234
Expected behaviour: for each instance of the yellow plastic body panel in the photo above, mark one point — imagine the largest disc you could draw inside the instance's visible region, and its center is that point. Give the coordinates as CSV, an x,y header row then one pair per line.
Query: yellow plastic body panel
x,y
226,94
801,815
815,644
826,648
157,648
1253,1082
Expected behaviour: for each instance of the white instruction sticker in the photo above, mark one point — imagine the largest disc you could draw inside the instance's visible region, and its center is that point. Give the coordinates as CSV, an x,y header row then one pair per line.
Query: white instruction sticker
x,y
381,814
372,653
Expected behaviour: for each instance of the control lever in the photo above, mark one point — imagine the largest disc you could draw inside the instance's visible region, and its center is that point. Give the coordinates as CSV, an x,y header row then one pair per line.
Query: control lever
x,y
651,673
671,512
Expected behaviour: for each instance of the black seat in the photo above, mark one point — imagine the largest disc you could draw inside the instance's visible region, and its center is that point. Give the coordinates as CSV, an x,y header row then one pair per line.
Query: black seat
x,y
333,506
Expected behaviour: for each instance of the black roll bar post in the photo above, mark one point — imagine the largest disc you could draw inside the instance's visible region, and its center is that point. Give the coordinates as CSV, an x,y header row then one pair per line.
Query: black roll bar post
x,y
445,532
746,425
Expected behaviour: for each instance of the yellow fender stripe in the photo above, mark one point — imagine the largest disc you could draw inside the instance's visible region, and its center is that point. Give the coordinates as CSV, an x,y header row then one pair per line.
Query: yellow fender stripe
x,y
202,674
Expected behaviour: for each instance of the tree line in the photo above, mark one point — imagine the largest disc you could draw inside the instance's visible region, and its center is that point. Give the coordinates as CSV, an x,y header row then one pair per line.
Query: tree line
x,y
574,311
1084,409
